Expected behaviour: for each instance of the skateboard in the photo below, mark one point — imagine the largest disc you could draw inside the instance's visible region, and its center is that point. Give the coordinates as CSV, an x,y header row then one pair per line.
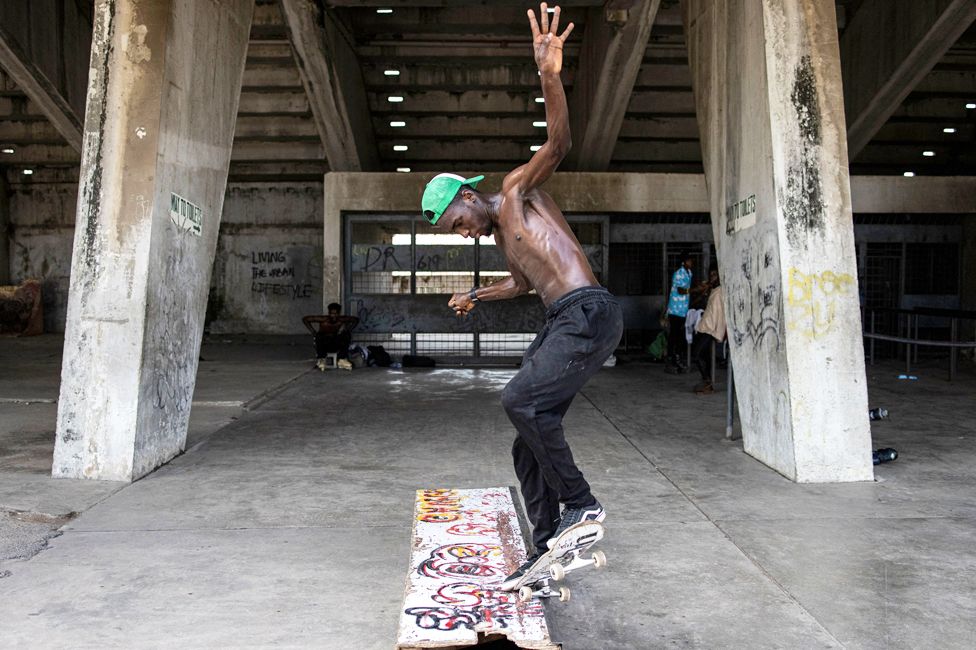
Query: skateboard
x,y
564,556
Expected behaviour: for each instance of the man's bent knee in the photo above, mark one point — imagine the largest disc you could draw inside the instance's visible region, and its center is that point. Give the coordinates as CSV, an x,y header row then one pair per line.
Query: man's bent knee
x,y
517,399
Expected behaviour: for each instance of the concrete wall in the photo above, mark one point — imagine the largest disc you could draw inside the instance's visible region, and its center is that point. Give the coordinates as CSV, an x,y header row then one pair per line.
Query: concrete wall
x,y
283,221
4,230
275,228
268,271
42,217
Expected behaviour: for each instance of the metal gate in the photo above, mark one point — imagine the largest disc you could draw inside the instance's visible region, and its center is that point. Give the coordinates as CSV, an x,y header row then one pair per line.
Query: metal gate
x,y
399,274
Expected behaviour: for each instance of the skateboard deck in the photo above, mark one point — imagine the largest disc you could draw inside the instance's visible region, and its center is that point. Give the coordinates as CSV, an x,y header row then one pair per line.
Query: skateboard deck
x,y
564,556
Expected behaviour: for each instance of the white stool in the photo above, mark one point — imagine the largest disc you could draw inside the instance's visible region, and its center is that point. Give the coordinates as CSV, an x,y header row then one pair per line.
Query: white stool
x,y
329,361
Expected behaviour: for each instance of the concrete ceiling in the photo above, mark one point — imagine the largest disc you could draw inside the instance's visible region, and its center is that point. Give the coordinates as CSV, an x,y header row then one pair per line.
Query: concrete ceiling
x,y
469,85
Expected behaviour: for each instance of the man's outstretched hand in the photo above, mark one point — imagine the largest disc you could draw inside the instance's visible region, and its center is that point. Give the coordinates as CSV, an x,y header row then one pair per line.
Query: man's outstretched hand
x,y
546,42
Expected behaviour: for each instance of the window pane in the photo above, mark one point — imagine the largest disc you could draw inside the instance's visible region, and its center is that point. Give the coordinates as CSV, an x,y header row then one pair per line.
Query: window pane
x,y
380,257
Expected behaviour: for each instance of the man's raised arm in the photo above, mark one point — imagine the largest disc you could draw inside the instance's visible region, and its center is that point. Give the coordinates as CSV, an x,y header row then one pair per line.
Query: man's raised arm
x,y
548,48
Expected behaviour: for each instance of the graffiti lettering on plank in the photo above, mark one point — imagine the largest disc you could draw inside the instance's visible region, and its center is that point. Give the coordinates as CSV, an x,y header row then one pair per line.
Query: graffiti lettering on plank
x,y
460,560
814,300
439,506
473,606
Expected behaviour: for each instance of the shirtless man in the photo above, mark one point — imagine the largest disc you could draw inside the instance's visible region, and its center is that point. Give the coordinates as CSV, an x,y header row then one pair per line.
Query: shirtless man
x,y
333,336
583,321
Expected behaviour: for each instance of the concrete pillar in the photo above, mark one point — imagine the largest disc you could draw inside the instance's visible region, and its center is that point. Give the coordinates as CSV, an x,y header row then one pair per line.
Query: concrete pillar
x,y
162,102
4,229
769,99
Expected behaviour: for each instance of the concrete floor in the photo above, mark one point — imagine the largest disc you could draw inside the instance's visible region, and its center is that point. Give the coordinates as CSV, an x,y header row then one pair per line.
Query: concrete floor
x,y
288,523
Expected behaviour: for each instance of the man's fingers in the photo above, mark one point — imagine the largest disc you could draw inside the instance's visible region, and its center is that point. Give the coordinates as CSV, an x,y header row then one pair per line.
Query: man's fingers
x,y
544,14
533,24
569,30
554,25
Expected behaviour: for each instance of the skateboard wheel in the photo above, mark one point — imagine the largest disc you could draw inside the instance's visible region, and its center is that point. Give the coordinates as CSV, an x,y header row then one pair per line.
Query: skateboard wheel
x,y
564,594
525,594
599,559
557,571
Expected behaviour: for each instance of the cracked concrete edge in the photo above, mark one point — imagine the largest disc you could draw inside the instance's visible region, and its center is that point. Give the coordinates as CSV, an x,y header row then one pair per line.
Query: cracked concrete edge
x,y
256,401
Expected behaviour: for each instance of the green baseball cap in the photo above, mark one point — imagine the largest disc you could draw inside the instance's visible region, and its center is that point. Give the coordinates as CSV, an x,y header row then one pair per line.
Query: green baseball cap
x,y
440,191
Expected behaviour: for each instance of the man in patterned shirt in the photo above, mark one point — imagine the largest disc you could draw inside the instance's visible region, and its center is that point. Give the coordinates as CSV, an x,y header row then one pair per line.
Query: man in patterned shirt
x,y
677,311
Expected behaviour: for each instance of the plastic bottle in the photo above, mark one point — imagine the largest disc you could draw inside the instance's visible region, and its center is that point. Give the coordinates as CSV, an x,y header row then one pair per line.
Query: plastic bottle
x,y
883,455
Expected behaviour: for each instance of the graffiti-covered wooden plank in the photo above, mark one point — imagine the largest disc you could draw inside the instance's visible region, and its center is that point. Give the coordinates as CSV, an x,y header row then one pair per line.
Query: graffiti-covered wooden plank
x,y
464,542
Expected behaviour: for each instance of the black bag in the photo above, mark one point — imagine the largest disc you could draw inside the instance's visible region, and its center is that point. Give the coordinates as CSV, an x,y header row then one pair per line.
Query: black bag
x,y
378,356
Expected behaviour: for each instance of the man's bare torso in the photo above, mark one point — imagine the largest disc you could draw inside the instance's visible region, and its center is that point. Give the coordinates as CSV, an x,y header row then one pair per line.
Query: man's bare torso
x,y
538,244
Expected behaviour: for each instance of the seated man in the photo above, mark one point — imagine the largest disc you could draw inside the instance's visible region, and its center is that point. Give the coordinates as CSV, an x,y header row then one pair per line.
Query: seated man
x,y
333,335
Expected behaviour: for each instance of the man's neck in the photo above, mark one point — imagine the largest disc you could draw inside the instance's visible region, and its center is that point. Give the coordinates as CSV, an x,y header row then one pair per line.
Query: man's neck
x,y
492,203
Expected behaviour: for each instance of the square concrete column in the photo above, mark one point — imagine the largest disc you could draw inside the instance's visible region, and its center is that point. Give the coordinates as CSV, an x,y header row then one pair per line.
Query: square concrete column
x,y
769,100
162,104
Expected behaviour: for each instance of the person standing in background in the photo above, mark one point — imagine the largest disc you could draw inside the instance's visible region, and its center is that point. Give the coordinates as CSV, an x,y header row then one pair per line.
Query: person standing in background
x,y
677,311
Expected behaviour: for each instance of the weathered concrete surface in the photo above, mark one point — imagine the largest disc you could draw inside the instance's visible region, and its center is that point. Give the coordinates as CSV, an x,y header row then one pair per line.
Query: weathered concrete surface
x,y
768,91
707,547
268,267
158,135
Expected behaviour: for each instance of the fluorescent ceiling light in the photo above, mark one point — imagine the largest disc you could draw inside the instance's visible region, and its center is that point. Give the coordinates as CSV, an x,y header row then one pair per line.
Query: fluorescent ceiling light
x,y
384,10
7,150
394,99
28,172
400,147
539,124
949,129
535,147
928,154
396,124
970,105
540,100
403,169
909,174
392,73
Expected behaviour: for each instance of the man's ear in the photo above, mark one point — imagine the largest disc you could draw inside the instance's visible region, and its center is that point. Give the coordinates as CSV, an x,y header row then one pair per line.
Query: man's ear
x,y
467,195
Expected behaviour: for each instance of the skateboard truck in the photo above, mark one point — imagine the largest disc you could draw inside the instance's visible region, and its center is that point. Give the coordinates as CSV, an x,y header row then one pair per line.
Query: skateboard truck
x,y
543,588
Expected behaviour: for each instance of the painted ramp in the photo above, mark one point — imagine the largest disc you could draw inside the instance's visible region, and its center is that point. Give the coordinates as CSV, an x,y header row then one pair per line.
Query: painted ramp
x,y
464,542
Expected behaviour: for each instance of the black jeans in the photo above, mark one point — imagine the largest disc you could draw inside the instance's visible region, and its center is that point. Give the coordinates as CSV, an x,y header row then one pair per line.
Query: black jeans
x,y
677,344
337,344
701,354
582,330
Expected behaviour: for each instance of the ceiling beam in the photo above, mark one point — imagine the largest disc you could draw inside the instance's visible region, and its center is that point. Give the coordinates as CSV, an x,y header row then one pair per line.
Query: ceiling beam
x,y
610,59
42,91
333,82
887,50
